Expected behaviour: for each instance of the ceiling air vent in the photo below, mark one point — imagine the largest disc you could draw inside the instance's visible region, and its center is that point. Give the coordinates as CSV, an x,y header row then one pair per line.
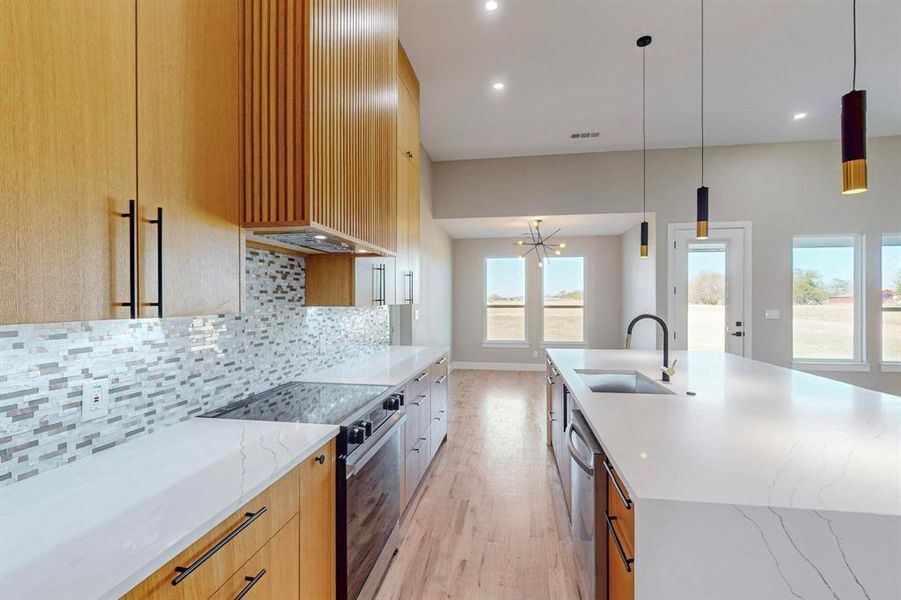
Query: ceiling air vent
x,y
584,134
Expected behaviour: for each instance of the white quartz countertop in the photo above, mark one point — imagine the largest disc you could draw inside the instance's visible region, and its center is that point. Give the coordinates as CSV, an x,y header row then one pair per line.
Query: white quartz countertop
x,y
97,527
754,433
393,366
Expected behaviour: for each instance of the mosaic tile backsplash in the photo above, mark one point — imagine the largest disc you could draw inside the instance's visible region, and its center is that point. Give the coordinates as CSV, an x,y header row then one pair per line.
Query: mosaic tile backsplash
x,y
162,371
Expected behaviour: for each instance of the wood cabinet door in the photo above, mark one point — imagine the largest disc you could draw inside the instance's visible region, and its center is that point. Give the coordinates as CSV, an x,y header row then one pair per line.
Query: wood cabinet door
x,y
317,525
67,150
402,261
188,154
407,124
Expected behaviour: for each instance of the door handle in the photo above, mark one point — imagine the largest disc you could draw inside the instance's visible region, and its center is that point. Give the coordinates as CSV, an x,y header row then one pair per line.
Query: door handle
x,y
738,334
158,221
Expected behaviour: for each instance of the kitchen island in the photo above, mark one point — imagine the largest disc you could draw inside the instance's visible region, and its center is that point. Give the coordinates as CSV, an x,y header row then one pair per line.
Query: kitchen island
x,y
749,480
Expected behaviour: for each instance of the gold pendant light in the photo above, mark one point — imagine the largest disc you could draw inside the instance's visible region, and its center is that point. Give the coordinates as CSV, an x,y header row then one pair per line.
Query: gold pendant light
x,y
643,42
854,129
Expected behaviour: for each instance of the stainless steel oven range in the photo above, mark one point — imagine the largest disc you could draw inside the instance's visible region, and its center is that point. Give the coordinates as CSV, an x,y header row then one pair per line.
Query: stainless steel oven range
x,y
370,467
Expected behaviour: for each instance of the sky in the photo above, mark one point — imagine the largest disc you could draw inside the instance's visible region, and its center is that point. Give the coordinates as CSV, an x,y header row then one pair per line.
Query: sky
x,y
706,261
831,263
561,274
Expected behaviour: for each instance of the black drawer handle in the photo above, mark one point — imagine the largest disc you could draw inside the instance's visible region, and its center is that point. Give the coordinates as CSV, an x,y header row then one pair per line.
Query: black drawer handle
x,y
183,572
251,581
320,459
441,379
626,502
619,547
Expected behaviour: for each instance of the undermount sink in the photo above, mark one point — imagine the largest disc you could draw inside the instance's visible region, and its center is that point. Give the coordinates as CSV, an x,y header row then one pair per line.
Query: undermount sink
x,y
620,382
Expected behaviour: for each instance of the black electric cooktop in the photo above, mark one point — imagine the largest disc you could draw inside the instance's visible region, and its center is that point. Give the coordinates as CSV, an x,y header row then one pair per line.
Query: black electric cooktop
x,y
327,403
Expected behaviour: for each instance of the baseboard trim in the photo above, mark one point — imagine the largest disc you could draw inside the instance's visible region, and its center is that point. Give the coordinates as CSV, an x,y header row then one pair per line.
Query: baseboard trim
x,y
499,366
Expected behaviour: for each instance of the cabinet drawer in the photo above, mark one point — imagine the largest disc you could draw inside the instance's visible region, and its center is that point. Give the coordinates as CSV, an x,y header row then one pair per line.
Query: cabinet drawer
x,y
215,557
271,573
417,386
621,581
622,512
416,462
438,432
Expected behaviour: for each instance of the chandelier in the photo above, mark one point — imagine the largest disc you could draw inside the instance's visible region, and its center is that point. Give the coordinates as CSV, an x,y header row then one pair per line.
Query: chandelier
x,y
538,243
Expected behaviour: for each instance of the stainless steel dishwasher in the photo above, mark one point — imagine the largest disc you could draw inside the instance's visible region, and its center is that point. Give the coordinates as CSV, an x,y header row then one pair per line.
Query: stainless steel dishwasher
x,y
589,499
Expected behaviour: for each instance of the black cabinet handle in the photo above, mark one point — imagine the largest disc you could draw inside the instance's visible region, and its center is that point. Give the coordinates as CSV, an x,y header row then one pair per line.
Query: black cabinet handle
x,y
619,547
251,581
183,572
622,496
131,215
158,221
320,459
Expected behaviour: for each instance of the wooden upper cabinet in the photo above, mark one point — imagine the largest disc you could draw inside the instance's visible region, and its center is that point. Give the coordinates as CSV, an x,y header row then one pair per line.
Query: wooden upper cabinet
x,y
320,117
189,154
67,148
407,108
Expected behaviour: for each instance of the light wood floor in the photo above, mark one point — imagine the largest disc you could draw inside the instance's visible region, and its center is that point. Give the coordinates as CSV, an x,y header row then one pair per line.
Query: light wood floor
x,y
489,520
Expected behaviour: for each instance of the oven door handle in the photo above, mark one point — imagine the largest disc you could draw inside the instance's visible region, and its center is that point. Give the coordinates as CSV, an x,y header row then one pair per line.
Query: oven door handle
x,y
394,422
584,463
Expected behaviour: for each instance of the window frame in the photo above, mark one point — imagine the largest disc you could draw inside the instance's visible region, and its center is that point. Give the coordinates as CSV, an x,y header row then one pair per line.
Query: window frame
x,y
858,360
487,343
888,366
568,344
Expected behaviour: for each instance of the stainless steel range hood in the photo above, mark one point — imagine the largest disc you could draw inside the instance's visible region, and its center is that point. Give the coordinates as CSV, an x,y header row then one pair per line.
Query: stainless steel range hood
x,y
313,239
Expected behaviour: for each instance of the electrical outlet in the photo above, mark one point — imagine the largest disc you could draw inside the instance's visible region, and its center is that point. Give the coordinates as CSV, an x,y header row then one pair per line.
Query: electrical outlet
x,y
416,314
95,399
534,353
772,313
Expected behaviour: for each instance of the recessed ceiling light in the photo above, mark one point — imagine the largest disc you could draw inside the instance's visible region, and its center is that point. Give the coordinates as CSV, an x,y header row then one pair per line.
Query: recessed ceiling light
x,y
491,5
799,116
319,236
498,85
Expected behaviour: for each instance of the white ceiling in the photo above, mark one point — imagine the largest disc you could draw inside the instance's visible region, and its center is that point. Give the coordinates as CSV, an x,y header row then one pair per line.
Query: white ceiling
x,y
515,227
572,66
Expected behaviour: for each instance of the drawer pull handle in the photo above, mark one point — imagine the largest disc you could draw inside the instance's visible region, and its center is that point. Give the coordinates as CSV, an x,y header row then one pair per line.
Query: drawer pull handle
x,y
626,502
549,380
441,379
421,377
251,581
619,547
442,361
320,459
183,572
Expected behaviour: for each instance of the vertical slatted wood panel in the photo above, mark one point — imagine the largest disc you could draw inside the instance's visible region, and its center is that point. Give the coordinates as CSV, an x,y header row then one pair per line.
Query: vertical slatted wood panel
x,y
351,108
273,45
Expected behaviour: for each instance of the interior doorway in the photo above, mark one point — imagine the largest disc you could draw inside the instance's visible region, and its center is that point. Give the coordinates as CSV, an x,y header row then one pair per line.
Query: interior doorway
x,y
710,282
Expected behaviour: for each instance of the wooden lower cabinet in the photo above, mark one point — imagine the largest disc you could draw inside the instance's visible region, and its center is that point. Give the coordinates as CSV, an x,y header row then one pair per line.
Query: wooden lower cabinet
x,y
288,530
317,525
620,570
271,573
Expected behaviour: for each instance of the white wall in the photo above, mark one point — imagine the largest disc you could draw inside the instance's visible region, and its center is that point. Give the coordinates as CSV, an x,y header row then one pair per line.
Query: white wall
x,y
783,189
435,316
640,285
603,297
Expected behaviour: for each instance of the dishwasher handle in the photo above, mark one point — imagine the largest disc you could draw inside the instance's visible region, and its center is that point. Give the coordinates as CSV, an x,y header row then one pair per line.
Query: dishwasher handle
x,y
584,464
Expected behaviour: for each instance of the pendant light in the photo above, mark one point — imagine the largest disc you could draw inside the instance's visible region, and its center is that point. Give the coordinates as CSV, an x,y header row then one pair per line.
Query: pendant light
x,y
701,229
854,129
643,42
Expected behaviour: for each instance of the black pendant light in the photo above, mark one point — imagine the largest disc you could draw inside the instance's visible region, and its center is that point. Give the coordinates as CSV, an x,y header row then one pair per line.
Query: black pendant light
x,y
643,42
701,229
854,129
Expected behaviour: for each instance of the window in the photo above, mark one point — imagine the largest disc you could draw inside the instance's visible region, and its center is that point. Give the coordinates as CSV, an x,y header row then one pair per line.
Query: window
x,y
564,299
891,298
826,312
505,300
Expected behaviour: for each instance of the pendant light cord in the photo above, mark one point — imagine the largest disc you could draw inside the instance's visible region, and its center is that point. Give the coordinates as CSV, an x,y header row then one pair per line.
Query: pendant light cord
x,y
702,92
854,21
644,142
